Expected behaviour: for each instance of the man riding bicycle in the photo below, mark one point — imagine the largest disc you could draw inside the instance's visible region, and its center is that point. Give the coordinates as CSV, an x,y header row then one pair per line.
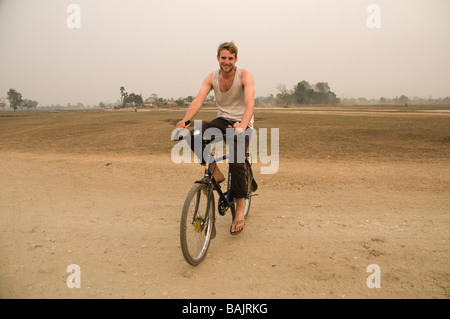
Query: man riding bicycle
x,y
234,91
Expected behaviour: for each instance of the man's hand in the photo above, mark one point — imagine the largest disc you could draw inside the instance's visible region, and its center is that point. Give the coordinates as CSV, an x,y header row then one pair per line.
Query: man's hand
x,y
183,124
238,127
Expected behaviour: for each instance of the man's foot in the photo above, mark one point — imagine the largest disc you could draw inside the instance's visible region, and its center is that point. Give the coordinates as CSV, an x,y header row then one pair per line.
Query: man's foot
x,y
237,226
239,219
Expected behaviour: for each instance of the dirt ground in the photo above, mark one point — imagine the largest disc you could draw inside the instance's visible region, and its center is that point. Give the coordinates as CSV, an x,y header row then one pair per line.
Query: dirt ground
x,y
356,186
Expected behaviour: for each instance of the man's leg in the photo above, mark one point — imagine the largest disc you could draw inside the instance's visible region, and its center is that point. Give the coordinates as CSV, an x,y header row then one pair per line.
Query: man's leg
x,y
218,175
239,183
239,190
239,219
197,140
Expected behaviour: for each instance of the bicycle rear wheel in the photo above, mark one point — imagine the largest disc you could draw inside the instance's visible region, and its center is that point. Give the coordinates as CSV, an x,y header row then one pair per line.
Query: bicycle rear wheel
x,y
196,225
249,177
248,197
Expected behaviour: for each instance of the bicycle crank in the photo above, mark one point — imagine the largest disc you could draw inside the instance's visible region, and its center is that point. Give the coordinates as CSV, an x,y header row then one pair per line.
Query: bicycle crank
x,y
222,207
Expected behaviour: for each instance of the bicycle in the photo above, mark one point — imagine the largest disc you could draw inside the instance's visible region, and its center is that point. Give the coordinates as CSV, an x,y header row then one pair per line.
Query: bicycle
x,y
197,225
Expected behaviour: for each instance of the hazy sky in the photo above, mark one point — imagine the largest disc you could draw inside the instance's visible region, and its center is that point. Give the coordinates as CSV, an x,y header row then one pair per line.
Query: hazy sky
x,y
168,47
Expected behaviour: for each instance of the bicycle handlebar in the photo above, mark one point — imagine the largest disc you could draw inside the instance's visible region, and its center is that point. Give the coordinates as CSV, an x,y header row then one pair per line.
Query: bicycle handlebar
x,y
177,136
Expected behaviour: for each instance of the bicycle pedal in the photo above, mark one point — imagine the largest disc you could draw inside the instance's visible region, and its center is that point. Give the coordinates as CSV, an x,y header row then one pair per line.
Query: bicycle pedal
x,y
222,211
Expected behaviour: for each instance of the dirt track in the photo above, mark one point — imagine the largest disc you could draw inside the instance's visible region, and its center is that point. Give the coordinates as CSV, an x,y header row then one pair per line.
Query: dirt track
x,y
313,229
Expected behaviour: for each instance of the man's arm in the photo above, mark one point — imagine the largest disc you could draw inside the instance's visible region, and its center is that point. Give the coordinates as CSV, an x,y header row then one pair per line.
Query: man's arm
x,y
249,99
197,102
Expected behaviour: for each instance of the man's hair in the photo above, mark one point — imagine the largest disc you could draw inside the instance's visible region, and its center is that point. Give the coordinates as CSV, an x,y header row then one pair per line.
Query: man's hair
x,y
230,46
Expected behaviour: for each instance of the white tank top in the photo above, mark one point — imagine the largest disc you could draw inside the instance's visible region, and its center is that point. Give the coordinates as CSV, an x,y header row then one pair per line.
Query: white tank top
x,y
231,104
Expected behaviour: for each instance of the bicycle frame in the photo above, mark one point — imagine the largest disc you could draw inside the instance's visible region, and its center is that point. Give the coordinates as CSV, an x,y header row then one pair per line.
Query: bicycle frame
x,y
197,224
209,179
212,180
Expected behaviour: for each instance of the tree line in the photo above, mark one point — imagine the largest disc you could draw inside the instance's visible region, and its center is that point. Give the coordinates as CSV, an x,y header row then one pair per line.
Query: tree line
x,y
403,99
17,101
301,93
320,93
134,100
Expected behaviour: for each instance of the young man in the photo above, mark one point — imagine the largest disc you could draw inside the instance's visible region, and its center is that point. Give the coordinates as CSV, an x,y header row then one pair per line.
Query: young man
x,y
235,98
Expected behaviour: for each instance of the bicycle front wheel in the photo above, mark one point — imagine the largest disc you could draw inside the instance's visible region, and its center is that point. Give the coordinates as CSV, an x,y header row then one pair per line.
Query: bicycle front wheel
x,y
196,224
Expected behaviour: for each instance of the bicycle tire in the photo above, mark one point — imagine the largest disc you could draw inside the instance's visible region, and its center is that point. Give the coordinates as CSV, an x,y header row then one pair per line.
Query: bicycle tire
x,y
197,222
248,198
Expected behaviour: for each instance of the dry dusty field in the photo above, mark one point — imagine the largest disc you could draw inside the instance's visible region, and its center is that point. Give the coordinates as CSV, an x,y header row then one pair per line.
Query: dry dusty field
x,y
356,186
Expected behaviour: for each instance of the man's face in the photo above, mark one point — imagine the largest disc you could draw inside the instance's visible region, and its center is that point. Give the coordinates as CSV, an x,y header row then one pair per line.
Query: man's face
x,y
227,60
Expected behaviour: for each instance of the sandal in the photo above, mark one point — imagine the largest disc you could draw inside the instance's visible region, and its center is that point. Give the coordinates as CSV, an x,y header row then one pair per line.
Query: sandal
x,y
235,223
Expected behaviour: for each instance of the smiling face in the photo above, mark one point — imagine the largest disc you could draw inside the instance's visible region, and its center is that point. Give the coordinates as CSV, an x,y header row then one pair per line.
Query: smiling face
x,y
227,60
